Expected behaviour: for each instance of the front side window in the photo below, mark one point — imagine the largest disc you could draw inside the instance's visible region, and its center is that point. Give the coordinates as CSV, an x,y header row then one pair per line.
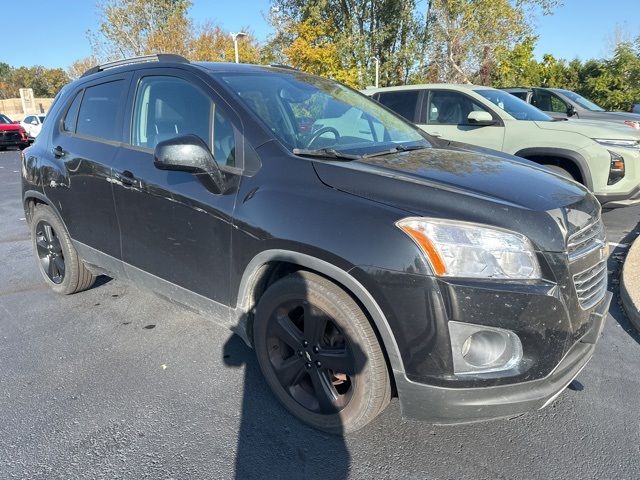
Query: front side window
x,y
307,112
403,102
98,112
168,107
69,123
28,120
449,108
514,106
4,119
583,102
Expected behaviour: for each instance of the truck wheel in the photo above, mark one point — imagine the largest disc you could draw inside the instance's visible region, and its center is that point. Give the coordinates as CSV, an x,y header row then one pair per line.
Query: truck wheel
x,y
319,354
58,260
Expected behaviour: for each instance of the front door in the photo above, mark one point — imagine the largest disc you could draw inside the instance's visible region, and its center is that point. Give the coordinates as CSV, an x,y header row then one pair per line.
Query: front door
x,y
444,115
176,225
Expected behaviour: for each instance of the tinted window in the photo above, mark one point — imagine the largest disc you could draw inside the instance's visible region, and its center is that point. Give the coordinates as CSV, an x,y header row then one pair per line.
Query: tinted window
x,y
99,110
449,108
168,107
70,118
4,119
548,102
28,120
520,95
402,102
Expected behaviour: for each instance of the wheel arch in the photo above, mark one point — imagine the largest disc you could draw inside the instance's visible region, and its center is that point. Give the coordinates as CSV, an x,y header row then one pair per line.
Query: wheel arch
x,y
534,154
261,267
31,198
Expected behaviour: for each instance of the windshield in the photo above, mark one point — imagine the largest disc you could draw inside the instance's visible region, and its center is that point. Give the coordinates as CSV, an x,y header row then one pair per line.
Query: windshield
x,y
306,112
583,102
4,119
518,109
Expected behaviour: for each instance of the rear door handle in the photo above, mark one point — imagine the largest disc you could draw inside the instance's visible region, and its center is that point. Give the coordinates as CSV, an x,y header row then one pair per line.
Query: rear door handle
x,y
127,178
57,151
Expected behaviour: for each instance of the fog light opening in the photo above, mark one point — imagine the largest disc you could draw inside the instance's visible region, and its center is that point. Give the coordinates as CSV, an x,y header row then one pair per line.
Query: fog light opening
x,y
484,348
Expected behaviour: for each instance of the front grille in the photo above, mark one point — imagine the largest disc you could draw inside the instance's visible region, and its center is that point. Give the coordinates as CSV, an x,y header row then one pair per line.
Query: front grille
x,y
10,136
586,240
591,284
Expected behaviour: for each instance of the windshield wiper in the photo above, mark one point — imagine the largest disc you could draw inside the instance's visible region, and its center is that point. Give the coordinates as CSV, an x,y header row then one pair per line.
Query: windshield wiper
x,y
396,149
326,153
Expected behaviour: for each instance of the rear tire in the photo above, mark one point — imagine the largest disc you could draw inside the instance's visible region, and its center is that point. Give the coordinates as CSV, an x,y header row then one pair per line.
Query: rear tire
x,y
58,261
319,354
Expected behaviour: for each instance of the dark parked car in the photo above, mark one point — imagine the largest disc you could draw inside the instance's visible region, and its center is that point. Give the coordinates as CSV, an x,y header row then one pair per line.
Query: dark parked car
x,y
360,257
12,134
561,103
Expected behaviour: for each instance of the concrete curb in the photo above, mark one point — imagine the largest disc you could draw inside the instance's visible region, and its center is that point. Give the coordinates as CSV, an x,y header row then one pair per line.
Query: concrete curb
x,y
630,284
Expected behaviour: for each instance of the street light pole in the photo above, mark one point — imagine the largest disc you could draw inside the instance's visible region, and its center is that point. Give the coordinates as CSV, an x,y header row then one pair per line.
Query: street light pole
x,y
235,42
377,70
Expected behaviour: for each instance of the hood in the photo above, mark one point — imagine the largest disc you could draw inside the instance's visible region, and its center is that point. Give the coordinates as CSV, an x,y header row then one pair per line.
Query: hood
x,y
9,127
593,129
468,185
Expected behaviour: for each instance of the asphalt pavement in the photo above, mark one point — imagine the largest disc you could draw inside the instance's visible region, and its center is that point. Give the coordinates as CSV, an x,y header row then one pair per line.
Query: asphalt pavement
x,y
117,383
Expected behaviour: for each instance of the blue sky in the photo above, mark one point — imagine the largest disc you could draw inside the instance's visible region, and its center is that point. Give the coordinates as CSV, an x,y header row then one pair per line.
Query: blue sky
x,y
58,37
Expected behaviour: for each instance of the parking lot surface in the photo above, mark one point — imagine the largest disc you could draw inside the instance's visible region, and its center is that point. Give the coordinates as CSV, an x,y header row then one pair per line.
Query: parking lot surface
x,y
116,383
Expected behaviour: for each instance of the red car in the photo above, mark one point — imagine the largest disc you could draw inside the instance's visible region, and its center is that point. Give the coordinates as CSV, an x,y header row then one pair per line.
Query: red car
x,y
12,134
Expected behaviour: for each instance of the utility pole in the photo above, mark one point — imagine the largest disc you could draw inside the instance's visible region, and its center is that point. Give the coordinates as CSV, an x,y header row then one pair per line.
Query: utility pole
x,y
377,70
235,42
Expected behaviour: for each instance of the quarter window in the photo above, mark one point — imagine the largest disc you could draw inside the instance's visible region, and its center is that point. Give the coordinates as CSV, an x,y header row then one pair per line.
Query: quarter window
x,y
69,124
169,107
99,111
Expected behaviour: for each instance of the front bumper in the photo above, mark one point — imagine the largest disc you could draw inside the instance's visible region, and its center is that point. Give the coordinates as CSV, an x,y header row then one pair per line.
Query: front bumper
x,y
609,201
444,405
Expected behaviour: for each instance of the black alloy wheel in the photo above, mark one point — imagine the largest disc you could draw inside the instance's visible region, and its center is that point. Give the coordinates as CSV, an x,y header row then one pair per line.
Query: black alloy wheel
x,y
49,251
311,357
319,353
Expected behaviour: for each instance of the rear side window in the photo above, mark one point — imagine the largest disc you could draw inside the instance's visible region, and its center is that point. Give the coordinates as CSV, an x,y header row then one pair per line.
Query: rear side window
x,y
99,110
402,102
69,124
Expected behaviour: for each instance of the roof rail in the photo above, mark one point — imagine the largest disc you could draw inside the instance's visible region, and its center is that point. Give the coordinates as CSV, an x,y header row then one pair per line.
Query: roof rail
x,y
282,65
156,57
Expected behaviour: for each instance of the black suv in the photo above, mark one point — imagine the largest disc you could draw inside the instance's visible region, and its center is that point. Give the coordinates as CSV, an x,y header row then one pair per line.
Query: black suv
x,y
360,257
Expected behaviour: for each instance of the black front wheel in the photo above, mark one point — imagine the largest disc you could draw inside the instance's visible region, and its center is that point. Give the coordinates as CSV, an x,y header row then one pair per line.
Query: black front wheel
x,y
319,353
58,260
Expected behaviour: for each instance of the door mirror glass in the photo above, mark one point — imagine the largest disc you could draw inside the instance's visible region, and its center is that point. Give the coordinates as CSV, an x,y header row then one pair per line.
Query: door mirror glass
x,y
187,153
571,111
480,118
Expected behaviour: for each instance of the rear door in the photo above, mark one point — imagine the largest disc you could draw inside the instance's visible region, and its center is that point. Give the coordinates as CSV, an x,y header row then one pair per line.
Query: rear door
x,y
176,225
444,114
85,141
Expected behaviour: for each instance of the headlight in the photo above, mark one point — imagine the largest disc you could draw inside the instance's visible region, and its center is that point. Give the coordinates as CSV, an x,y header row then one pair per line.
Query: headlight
x,y
460,249
618,143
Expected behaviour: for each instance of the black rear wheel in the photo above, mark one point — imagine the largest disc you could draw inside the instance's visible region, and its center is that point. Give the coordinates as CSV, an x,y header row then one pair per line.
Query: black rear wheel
x,y
319,353
59,263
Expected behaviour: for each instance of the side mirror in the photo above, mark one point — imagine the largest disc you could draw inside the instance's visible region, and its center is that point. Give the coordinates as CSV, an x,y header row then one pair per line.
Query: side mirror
x,y
480,118
187,153
571,111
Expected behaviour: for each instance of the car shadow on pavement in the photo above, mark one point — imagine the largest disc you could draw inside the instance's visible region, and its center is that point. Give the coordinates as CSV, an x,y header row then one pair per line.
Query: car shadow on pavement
x,y
614,264
271,442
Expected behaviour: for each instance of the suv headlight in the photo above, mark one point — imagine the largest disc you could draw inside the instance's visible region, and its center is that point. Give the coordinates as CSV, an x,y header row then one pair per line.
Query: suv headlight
x,y
635,144
467,250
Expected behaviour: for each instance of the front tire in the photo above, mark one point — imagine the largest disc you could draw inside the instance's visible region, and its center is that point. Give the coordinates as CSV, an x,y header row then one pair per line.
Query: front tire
x,y
58,261
319,354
